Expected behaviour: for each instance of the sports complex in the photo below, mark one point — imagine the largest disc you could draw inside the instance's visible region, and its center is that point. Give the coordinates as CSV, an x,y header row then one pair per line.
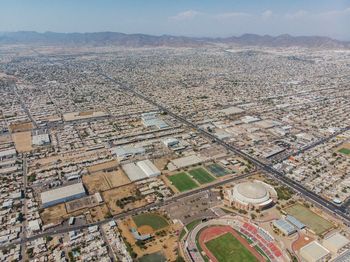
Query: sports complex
x,y
230,239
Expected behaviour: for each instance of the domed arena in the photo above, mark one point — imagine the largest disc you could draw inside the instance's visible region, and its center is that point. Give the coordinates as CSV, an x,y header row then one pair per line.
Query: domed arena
x,y
251,194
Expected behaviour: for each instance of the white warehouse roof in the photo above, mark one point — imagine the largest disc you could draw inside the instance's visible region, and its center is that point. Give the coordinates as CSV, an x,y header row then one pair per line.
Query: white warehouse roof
x,y
148,168
62,193
313,252
336,242
140,170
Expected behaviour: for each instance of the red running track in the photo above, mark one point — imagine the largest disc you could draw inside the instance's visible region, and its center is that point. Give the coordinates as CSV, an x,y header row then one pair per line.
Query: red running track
x,y
213,232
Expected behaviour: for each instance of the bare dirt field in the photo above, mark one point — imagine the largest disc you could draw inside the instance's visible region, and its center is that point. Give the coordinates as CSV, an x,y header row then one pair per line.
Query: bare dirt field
x,y
23,141
103,166
54,214
161,163
18,127
85,202
113,195
102,181
83,115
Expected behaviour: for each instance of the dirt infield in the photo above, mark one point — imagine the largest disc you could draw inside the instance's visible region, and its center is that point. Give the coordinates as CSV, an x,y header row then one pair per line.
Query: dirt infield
x,y
213,232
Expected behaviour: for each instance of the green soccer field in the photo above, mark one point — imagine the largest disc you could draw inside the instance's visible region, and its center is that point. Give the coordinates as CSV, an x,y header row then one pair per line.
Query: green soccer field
x,y
316,223
149,219
344,151
201,175
182,182
227,248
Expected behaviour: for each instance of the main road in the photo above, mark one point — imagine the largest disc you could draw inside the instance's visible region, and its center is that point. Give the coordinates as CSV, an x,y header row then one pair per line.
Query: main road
x,y
167,201
340,211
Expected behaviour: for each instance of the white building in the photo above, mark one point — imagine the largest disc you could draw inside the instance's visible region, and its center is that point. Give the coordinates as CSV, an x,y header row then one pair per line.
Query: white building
x,y
247,195
62,194
314,252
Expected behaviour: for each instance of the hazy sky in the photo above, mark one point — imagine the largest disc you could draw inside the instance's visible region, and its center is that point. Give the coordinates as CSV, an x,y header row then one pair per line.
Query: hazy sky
x,y
180,17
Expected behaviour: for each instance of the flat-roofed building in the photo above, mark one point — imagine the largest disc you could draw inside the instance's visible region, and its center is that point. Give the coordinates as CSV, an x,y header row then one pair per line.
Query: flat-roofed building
x,y
62,194
314,252
285,227
7,154
148,168
295,222
141,170
40,137
336,242
134,172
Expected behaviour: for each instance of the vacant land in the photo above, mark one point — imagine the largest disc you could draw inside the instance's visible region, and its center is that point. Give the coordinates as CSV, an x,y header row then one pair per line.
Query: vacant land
x,y
18,127
122,198
23,141
54,214
315,222
201,175
150,219
109,165
182,182
228,248
102,181
217,170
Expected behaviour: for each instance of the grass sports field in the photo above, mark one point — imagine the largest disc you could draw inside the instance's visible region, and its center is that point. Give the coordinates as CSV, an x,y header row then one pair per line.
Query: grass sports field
x,y
217,170
182,182
227,248
201,175
316,223
155,257
344,151
149,219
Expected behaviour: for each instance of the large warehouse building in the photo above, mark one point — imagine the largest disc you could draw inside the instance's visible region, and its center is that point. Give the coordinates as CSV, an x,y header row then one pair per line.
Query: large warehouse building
x,y
62,194
140,170
248,195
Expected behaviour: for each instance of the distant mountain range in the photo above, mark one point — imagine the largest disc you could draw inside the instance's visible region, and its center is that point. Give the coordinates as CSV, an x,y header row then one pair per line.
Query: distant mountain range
x,y
142,40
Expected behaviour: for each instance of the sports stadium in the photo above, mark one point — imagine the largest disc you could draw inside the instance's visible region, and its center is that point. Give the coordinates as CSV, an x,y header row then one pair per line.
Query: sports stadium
x,y
251,195
230,239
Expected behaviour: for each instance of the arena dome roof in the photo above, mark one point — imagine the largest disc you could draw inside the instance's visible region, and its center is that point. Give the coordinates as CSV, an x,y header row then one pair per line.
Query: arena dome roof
x,y
250,193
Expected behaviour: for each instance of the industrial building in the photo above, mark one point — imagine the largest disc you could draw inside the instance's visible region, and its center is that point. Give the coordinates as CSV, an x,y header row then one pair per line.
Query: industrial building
x,y
314,252
248,195
148,168
127,151
185,162
40,138
7,154
141,170
285,227
150,119
170,141
62,194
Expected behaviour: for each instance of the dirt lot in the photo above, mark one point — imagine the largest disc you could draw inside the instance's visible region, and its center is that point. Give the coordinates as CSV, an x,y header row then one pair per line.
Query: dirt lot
x,y
23,141
111,196
18,127
54,214
103,166
98,213
102,181
160,163
85,202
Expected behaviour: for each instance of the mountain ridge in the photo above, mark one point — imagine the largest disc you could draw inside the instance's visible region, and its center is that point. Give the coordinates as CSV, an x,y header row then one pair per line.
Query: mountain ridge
x,y
145,40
